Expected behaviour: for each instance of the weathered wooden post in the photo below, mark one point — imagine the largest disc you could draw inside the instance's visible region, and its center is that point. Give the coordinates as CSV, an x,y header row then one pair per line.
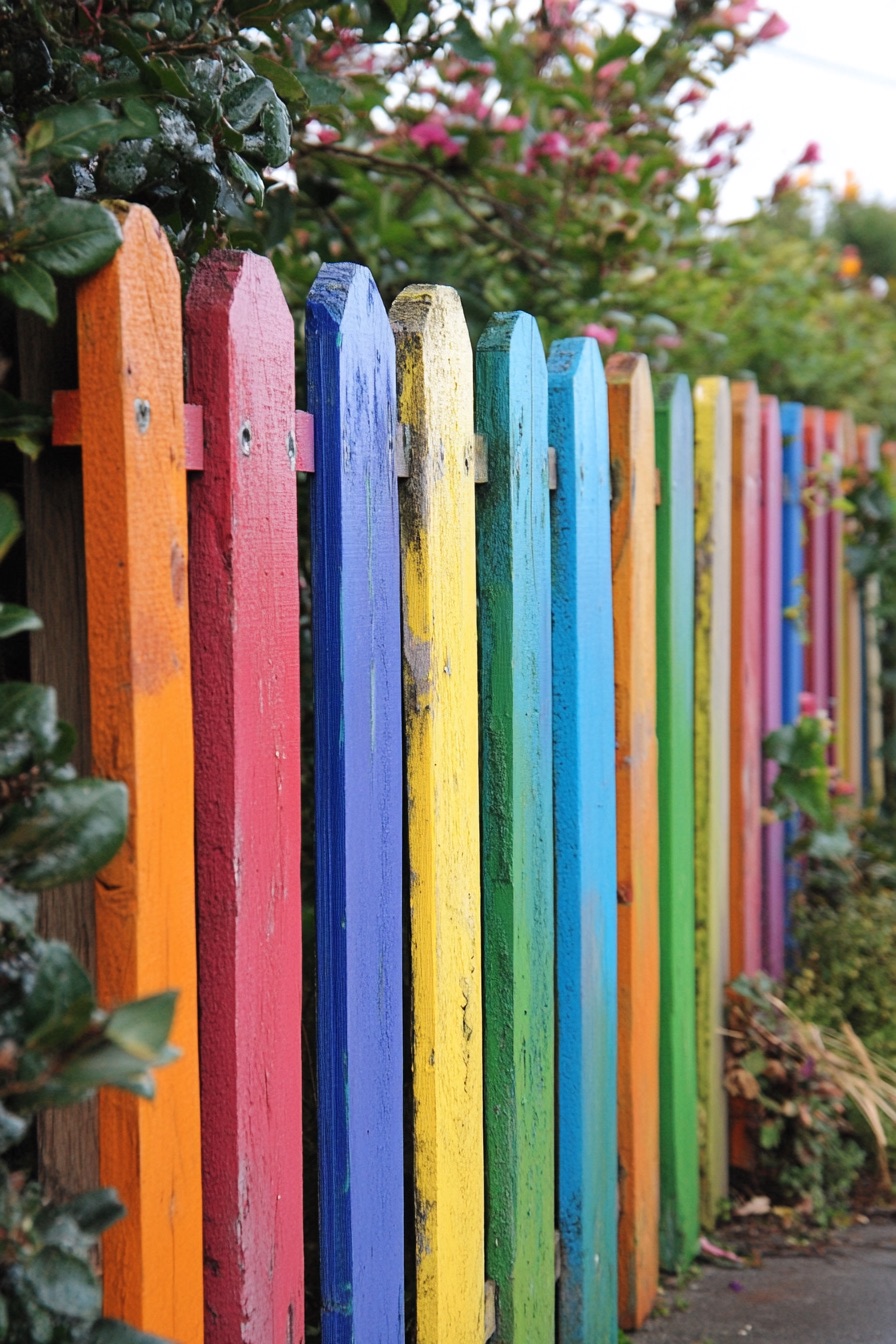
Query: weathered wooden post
x,y
679,1155
130,360
438,544
634,636
358,782
514,584
244,606
745,854
712,689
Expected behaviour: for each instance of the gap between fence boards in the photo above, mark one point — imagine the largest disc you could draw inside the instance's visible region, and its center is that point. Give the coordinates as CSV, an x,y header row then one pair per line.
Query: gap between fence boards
x,y
67,433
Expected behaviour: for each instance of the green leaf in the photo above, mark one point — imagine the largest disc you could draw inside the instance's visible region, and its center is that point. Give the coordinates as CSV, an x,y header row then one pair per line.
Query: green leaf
x,y
116,1332
10,523
76,131
64,1284
23,424
71,237
105,1065
14,620
285,81
243,104
29,286
169,76
321,91
95,1211
27,725
276,125
399,8
621,47
61,1002
142,1028
17,909
248,176
13,1129
67,832
143,118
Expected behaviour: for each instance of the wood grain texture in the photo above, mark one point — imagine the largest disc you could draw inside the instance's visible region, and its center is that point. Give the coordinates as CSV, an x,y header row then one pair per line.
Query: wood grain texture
x,y
244,607
745,853
816,658
584,842
68,1144
358,779
772,567
712,684
135,536
513,563
679,1156
634,633
438,542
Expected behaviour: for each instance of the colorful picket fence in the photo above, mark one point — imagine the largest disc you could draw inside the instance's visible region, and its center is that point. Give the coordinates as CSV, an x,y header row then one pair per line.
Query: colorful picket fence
x,y
555,610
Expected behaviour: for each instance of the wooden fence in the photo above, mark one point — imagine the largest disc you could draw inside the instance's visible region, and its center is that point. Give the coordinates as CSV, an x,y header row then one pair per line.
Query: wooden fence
x,y
553,615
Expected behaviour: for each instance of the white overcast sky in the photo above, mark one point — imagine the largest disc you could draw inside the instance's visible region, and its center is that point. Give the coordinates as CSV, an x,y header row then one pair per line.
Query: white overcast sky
x,y
832,79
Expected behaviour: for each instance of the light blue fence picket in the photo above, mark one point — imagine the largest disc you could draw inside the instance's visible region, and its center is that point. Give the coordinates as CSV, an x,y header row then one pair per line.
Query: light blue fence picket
x,y
358,779
585,838
792,652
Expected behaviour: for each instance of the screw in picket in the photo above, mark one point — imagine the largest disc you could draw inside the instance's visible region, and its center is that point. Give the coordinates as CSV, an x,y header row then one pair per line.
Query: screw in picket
x,y
246,438
141,415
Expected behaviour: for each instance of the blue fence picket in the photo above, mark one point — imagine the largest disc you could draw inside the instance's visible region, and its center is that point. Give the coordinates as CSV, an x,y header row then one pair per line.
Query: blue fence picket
x,y
513,548
585,839
792,652
358,774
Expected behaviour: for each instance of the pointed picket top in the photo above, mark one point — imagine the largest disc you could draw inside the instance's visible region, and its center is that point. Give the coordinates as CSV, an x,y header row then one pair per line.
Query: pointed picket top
x,y
438,547
585,843
772,671
634,633
712,698
679,1159
130,360
358,776
745,882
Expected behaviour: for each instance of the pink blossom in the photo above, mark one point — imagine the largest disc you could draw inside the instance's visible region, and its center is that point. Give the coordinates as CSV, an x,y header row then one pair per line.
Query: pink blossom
x,y
784,183
693,95
559,12
739,12
811,154
552,145
774,26
662,177
670,342
714,161
612,69
594,130
608,160
629,9
473,105
328,135
630,167
808,702
432,135
841,789
603,335
722,129
510,124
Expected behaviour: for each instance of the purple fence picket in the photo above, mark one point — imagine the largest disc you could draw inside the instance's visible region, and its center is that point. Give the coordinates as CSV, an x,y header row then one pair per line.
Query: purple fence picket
x,y
358,766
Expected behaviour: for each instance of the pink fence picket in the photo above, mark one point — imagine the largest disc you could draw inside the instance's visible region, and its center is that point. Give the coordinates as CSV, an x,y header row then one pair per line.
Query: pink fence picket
x,y
244,606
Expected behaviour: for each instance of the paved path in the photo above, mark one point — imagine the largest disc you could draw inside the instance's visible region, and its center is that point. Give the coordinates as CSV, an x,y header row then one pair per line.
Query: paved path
x,y
845,1296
